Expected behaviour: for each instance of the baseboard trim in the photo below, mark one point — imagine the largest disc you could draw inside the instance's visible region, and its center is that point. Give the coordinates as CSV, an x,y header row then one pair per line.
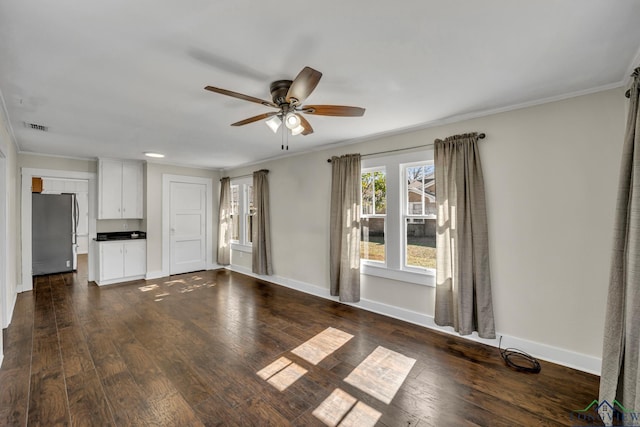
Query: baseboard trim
x,y
1,355
214,266
151,275
11,307
560,356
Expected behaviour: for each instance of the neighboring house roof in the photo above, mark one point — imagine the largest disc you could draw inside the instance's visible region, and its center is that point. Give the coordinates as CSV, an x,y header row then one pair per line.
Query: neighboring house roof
x,y
428,188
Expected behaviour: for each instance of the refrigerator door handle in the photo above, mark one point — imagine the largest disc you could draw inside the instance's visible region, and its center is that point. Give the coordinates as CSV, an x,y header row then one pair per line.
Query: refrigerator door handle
x,y
76,215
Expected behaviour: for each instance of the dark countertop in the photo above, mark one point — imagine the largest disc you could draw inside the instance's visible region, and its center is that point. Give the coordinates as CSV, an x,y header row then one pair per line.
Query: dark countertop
x,y
121,235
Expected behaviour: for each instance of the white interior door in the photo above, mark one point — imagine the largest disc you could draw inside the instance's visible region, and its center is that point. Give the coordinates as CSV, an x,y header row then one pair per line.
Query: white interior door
x,y
187,227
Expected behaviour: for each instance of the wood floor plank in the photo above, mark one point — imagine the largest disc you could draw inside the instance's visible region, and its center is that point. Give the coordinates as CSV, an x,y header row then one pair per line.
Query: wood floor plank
x,y
48,404
185,350
88,404
76,357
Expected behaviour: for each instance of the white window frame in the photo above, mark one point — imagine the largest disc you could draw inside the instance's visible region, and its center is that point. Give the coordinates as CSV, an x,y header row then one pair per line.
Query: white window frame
x,y
244,243
406,215
395,235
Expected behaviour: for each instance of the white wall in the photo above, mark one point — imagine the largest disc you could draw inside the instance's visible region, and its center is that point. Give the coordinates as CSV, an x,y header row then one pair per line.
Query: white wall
x,y
11,265
551,178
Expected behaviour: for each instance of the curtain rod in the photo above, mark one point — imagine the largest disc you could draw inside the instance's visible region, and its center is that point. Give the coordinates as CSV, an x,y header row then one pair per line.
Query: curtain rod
x,y
480,136
244,176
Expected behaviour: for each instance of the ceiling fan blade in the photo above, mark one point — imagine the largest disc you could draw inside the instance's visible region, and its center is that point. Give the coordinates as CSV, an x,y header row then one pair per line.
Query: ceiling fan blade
x,y
241,96
306,125
304,83
333,110
254,119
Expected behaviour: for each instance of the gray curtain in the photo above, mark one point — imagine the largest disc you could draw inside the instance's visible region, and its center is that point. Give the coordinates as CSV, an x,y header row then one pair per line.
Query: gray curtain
x,y
620,376
224,223
261,233
344,233
463,282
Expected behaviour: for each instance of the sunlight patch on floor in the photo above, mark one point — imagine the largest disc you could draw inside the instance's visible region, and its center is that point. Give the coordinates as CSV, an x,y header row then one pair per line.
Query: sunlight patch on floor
x,y
192,287
381,374
289,375
322,345
160,297
282,373
274,368
362,415
342,409
148,288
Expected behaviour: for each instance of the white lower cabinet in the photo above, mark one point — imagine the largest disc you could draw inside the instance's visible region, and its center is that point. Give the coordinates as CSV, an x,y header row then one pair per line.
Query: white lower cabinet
x,y
121,261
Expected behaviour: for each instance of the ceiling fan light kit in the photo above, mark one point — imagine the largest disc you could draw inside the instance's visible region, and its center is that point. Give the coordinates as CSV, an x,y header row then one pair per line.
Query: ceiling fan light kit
x,y
287,96
297,130
293,121
274,123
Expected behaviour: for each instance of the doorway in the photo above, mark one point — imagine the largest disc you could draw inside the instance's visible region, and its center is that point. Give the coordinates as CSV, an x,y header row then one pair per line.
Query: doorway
x,y
27,175
187,224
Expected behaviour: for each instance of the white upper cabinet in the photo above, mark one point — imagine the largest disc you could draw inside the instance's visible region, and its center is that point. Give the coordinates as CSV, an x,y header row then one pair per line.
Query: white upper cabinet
x,y
131,190
119,189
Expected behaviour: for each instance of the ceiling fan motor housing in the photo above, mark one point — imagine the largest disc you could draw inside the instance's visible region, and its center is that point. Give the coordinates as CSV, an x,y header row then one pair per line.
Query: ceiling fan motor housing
x,y
279,90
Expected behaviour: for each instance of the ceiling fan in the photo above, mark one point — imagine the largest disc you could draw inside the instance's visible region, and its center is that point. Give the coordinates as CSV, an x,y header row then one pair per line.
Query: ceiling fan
x,y
287,96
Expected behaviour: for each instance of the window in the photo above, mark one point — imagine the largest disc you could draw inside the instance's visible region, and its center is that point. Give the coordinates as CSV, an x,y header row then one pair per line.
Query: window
x,y
419,216
374,210
242,212
235,211
250,211
398,218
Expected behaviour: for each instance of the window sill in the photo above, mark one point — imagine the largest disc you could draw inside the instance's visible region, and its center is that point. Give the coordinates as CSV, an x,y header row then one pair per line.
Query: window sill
x,y
241,248
424,279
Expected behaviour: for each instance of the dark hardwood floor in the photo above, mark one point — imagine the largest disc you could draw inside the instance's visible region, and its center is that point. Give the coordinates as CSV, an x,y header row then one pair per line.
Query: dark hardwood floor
x,y
185,351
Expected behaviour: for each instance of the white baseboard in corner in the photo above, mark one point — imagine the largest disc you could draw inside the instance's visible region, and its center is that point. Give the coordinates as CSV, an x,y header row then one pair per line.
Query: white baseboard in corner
x,y
546,352
1,357
151,275
11,307
214,266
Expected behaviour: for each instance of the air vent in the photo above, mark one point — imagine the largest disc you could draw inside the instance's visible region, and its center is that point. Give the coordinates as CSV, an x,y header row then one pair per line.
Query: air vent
x,y
36,126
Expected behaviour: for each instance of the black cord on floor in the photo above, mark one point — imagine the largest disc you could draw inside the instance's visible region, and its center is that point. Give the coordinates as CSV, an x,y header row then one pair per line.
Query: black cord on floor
x,y
519,360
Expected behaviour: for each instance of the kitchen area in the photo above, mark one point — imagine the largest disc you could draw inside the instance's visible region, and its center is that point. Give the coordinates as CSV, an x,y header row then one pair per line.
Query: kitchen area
x,y
60,215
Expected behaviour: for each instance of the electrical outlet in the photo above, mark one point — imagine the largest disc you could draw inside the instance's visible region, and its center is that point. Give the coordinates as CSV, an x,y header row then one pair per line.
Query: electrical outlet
x,y
125,226
68,263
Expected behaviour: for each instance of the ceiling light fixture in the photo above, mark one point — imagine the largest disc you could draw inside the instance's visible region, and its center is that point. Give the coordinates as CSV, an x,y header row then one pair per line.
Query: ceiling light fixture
x,y
297,130
274,123
292,121
154,155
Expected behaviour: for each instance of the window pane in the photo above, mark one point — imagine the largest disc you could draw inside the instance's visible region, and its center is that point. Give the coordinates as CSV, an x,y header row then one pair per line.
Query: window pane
x,y
421,190
250,213
421,242
429,190
235,224
372,242
249,228
234,199
367,193
250,198
380,194
415,190
235,228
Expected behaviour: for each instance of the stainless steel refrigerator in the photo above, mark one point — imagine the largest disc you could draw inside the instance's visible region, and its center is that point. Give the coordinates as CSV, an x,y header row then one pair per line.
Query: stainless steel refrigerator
x,y
54,218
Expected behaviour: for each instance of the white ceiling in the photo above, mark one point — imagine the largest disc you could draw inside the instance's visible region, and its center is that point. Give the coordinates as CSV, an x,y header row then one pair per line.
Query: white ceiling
x,y
117,78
